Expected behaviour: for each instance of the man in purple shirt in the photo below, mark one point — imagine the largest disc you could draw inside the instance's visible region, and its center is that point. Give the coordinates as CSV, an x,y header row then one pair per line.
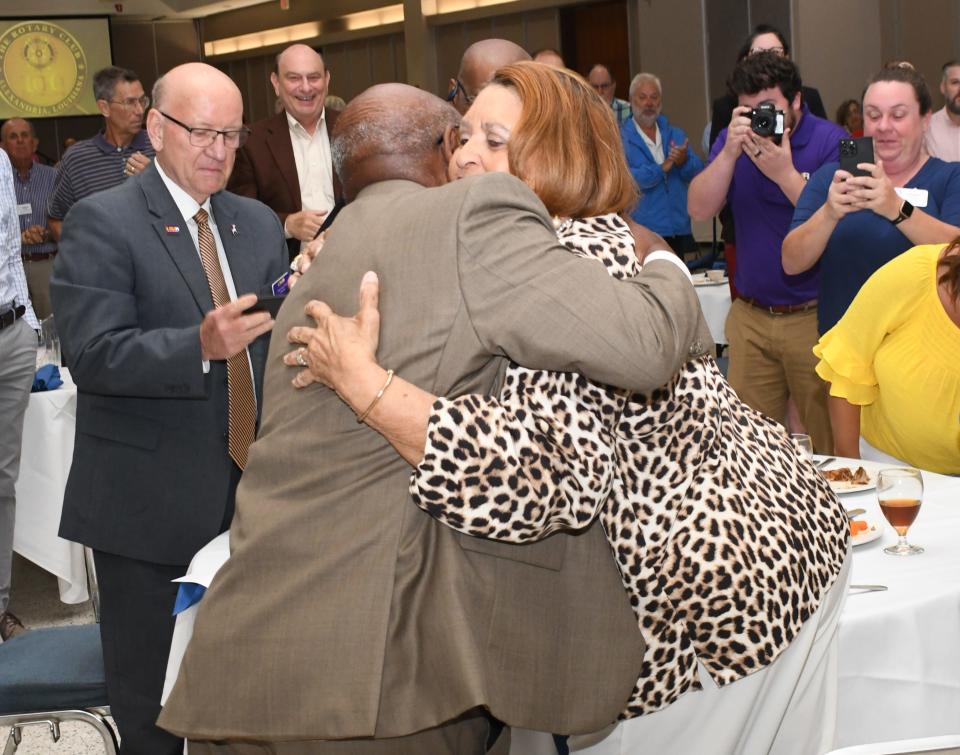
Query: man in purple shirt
x,y
772,328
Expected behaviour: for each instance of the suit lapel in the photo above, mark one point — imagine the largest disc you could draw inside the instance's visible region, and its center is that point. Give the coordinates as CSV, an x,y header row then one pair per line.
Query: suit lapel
x,y
242,269
170,226
281,149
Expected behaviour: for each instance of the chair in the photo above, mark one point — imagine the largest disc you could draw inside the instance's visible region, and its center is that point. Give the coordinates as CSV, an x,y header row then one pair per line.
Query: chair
x,y
947,745
52,675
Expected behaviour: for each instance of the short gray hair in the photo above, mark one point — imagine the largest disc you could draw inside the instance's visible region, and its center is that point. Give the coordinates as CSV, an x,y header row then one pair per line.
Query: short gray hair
x,y
106,79
391,131
642,77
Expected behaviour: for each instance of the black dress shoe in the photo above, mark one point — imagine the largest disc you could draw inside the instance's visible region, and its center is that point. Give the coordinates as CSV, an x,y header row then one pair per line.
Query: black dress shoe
x,y
10,626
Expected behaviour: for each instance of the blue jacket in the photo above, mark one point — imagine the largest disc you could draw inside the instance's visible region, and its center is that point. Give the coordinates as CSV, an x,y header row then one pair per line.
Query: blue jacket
x,y
663,196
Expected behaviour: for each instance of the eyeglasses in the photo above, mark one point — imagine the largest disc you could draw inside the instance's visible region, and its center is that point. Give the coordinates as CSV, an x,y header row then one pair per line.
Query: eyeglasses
x,y
132,102
775,50
460,88
204,137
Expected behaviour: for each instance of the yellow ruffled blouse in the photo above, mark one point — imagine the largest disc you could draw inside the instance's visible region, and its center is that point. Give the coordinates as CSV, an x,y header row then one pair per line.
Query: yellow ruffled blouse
x,y
896,353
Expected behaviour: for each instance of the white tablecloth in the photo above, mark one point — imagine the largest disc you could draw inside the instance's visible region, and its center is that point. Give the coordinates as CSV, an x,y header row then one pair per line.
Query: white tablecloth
x,y
715,303
900,649
48,431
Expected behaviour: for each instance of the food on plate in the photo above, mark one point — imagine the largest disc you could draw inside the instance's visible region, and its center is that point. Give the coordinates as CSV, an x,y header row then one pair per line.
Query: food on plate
x,y
845,474
857,526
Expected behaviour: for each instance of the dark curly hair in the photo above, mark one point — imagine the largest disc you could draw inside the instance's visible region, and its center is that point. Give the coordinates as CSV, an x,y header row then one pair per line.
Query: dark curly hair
x,y
765,70
951,269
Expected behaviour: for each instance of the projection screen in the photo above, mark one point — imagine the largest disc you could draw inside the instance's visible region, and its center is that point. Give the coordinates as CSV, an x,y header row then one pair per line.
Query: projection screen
x,y
47,65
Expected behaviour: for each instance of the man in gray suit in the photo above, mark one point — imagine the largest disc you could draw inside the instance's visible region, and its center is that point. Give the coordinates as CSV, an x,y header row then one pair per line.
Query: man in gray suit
x,y
150,289
347,613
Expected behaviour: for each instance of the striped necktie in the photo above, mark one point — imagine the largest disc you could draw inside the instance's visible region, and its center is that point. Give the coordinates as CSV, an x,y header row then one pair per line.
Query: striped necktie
x,y
242,408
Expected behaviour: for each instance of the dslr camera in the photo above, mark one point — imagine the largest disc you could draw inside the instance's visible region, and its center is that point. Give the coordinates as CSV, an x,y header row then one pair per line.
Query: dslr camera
x,y
766,120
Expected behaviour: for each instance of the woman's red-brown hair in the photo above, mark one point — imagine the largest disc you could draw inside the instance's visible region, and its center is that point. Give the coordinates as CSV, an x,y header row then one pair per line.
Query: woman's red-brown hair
x,y
566,145
950,262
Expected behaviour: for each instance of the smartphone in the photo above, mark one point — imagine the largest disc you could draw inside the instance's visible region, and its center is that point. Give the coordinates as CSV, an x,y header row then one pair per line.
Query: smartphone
x,y
269,304
855,151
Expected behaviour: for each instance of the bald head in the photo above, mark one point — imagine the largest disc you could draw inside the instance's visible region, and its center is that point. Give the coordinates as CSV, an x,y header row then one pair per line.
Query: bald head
x,y
392,131
203,98
478,64
19,142
301,81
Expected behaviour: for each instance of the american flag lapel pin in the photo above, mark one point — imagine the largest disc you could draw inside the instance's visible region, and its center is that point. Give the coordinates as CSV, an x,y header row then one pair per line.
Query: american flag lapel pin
x,y
233,228
172,228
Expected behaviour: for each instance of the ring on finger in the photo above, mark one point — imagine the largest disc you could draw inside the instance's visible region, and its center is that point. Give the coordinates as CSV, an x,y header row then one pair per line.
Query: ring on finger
x,y
300,358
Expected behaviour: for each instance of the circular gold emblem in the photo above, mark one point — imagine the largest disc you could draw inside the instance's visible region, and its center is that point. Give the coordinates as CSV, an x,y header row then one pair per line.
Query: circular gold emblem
x,y
44,69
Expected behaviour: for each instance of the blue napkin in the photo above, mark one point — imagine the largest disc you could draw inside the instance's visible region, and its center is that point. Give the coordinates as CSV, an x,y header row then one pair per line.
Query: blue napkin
x,y
46,379
188,594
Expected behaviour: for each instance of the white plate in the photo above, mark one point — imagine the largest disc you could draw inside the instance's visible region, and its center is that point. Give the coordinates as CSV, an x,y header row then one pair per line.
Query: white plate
x,y
873,531
701,279
871,467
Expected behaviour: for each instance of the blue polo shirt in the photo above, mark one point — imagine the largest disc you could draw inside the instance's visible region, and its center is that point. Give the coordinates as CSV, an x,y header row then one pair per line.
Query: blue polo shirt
x,y
863,241
762,215
90,166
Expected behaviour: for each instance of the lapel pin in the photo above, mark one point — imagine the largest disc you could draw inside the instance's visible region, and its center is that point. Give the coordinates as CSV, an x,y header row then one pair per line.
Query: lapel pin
x,y
233,228
172,228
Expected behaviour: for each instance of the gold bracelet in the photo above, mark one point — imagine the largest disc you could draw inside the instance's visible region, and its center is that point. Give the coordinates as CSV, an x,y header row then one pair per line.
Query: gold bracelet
x,y
376,398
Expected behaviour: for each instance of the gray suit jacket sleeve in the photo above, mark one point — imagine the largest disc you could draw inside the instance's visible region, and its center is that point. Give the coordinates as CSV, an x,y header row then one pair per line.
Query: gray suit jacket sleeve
x,y
110,350
532,300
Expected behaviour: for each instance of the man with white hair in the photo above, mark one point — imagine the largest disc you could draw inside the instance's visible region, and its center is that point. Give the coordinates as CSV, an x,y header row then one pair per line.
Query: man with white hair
x,y
662,164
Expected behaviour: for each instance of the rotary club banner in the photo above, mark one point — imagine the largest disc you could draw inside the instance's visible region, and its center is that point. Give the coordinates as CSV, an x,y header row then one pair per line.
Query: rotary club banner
x,y
47,66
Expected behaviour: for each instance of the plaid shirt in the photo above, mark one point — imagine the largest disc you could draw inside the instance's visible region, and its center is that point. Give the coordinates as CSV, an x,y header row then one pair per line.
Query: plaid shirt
x,y
13,282
621,109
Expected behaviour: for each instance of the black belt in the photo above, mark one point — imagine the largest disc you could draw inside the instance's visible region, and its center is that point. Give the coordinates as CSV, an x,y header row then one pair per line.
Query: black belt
x,y
781,309
39,256
9,317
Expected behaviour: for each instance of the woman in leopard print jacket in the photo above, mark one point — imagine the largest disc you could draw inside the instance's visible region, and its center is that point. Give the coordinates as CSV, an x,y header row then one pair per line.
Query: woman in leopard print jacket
x,y
729,542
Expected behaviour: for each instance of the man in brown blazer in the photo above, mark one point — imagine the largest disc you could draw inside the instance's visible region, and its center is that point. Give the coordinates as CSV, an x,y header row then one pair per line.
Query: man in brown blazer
x,y
347,613
285,162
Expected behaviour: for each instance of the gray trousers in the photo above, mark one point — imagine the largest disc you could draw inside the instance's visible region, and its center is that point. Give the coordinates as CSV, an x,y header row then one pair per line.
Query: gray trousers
x,y
18,358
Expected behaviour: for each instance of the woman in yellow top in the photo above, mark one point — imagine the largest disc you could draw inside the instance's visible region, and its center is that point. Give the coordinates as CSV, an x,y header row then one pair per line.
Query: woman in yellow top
x,y
893,362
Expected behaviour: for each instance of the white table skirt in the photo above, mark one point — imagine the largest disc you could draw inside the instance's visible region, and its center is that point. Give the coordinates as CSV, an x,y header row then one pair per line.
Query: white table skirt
x,y
900,649
715,303
48,431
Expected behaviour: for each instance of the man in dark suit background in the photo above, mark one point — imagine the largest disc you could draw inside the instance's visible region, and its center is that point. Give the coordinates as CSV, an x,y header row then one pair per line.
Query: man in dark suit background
x,y
286,161
150,286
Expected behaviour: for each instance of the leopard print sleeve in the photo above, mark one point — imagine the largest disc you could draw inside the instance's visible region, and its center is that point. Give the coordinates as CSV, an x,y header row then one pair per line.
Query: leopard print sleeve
x,y
518,467
541,456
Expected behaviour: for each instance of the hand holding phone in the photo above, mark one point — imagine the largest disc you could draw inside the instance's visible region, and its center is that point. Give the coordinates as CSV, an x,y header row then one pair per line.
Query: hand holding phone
x,y
856,151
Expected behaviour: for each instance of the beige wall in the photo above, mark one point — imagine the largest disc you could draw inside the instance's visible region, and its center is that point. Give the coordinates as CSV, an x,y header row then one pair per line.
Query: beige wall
x,y
837,46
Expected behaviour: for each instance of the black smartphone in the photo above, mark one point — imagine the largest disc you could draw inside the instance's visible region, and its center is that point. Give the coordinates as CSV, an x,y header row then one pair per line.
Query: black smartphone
x,y
269,304
855,151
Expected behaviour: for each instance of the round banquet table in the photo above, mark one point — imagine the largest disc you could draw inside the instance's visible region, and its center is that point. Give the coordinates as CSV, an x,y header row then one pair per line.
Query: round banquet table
x,y
900,649
47,452
715,303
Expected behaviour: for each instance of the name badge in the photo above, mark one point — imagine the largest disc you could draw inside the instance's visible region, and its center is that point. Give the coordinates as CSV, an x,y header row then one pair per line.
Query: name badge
x,y
916,197
24,209
281,286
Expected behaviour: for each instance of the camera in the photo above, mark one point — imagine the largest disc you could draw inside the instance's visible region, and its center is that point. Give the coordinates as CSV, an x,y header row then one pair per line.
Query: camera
x,y
766,120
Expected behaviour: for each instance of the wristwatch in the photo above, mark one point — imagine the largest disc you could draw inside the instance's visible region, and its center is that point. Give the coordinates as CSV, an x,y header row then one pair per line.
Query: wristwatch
x,y
906,210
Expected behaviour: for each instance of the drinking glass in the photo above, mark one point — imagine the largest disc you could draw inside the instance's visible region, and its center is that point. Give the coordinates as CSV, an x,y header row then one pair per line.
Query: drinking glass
x,y
900,492
805,444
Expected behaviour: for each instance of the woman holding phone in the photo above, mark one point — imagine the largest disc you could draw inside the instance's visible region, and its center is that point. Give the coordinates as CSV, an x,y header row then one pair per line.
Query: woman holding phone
x,y
853,225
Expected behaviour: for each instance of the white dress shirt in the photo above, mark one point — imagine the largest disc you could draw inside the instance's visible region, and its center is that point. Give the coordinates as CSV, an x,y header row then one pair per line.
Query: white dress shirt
x,y
13,282
654,145
314,165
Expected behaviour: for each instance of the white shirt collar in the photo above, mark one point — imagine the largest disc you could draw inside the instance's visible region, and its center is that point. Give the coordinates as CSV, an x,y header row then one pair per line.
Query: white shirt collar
x,y
187,205
295,125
